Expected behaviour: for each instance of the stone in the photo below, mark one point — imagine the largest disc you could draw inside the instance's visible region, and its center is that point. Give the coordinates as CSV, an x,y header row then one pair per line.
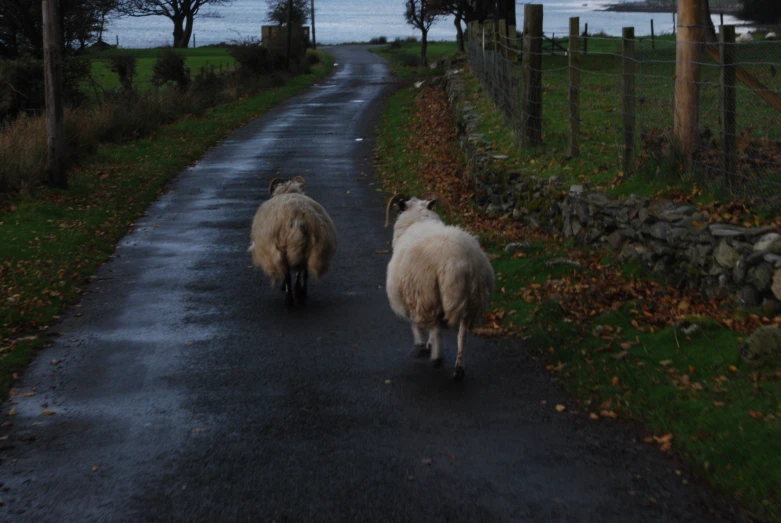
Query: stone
x,y
533,223
597,198
726,256
635,252
740,270
773,259
581,209
770,242
776,286
576,227
748,297
674,212
659,230
771,306
616,240
555,180
677,236
519,213
644,216
493,209
761,276
763,344
657,206
720,230
517,246
576,189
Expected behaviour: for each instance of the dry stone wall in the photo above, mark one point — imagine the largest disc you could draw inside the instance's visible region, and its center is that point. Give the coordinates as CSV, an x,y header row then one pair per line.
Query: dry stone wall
x,y
674,239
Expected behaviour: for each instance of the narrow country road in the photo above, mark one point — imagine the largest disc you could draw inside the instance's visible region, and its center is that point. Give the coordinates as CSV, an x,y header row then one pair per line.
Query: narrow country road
x,y
183,390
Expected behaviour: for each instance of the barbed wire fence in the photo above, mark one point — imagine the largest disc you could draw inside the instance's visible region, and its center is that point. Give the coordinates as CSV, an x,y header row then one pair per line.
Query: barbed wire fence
x,y
701,111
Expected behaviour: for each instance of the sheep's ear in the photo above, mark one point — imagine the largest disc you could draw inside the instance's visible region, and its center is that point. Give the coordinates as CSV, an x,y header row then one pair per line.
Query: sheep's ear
x,y
299,179
273,185
431,204
402,204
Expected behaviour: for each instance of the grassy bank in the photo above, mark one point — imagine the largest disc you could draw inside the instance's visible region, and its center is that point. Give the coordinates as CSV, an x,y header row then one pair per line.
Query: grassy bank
x,y
53,241
405,60
626,345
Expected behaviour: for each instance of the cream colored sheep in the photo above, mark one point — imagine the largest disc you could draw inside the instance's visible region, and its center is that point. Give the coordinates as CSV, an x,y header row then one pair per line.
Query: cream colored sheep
x,y
744,38
292,232
438,276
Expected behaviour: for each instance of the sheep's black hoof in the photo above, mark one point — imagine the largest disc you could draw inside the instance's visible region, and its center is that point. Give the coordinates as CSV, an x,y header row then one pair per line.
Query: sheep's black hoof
x,y
289,303
301,293
437,362
458,374
422,351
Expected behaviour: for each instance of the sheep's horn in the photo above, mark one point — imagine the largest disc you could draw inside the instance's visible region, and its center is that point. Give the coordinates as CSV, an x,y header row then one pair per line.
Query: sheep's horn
x,y
438,197
273,184
299,179
396,198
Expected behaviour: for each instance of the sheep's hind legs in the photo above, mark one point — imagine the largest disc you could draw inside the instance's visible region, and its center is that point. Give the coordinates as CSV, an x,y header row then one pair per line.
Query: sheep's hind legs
x,y
287,287
458,373
435,344
421,349
302,279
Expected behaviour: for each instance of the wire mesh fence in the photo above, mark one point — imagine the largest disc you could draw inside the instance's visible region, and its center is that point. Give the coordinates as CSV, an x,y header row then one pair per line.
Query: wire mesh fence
x,y
705,111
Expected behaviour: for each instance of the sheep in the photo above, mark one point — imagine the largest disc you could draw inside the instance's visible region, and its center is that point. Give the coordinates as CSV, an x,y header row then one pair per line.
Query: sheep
x,y
771,36
292,232
438,276
744,38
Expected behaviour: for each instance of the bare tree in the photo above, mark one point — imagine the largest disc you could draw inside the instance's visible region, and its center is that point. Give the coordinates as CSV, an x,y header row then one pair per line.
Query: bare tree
x,y
421,14
181,12
461,10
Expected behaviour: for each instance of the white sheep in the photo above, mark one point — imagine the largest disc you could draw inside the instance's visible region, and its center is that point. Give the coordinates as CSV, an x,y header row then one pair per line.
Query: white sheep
x,y
438,276
770,36
744,38
292,232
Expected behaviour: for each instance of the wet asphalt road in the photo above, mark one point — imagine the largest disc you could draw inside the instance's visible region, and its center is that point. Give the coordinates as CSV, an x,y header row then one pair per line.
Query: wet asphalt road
x,y
185,391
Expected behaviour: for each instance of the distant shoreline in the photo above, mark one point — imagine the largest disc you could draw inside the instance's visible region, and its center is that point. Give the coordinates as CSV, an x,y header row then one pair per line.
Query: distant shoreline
x,y
645,7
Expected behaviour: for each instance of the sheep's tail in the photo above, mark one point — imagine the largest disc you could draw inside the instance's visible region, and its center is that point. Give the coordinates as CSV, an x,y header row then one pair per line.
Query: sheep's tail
x,y
323,248
455,291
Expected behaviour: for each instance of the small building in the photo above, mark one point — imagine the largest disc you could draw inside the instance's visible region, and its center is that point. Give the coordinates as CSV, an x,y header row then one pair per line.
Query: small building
x,y
274,37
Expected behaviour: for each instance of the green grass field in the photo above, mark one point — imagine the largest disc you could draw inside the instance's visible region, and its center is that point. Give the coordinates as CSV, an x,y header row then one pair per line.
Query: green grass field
x,y
54,240
203,57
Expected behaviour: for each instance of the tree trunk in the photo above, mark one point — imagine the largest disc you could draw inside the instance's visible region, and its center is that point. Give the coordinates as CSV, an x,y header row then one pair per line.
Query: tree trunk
x,y
424,46
184,41
178,21
459,33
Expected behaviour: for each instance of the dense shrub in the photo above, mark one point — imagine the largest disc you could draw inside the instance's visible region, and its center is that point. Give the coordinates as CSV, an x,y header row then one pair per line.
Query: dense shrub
x,y
312,58
410,60
22,84
125,68
253,58
395,44
170,67
379,40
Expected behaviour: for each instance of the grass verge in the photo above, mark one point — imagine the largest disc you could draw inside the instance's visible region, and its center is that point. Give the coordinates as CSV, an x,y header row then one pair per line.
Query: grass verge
x,y
404,58
52,242
624,344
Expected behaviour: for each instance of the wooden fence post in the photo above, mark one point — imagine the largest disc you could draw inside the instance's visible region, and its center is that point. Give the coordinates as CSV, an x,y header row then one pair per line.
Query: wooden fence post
x,y
728,104
532,75
687,77
628,98
574,86
52,70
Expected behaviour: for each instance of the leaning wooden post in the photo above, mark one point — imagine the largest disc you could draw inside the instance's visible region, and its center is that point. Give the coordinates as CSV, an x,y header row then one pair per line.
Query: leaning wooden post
x,y
653,39
585,40
52,70
574,86
628,98
289,33
687,77
314,39
532,75
728,104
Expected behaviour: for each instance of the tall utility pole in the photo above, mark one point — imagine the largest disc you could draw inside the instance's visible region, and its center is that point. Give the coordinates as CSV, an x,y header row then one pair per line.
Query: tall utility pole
x,y
687,76
52,71
314,40
289,31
